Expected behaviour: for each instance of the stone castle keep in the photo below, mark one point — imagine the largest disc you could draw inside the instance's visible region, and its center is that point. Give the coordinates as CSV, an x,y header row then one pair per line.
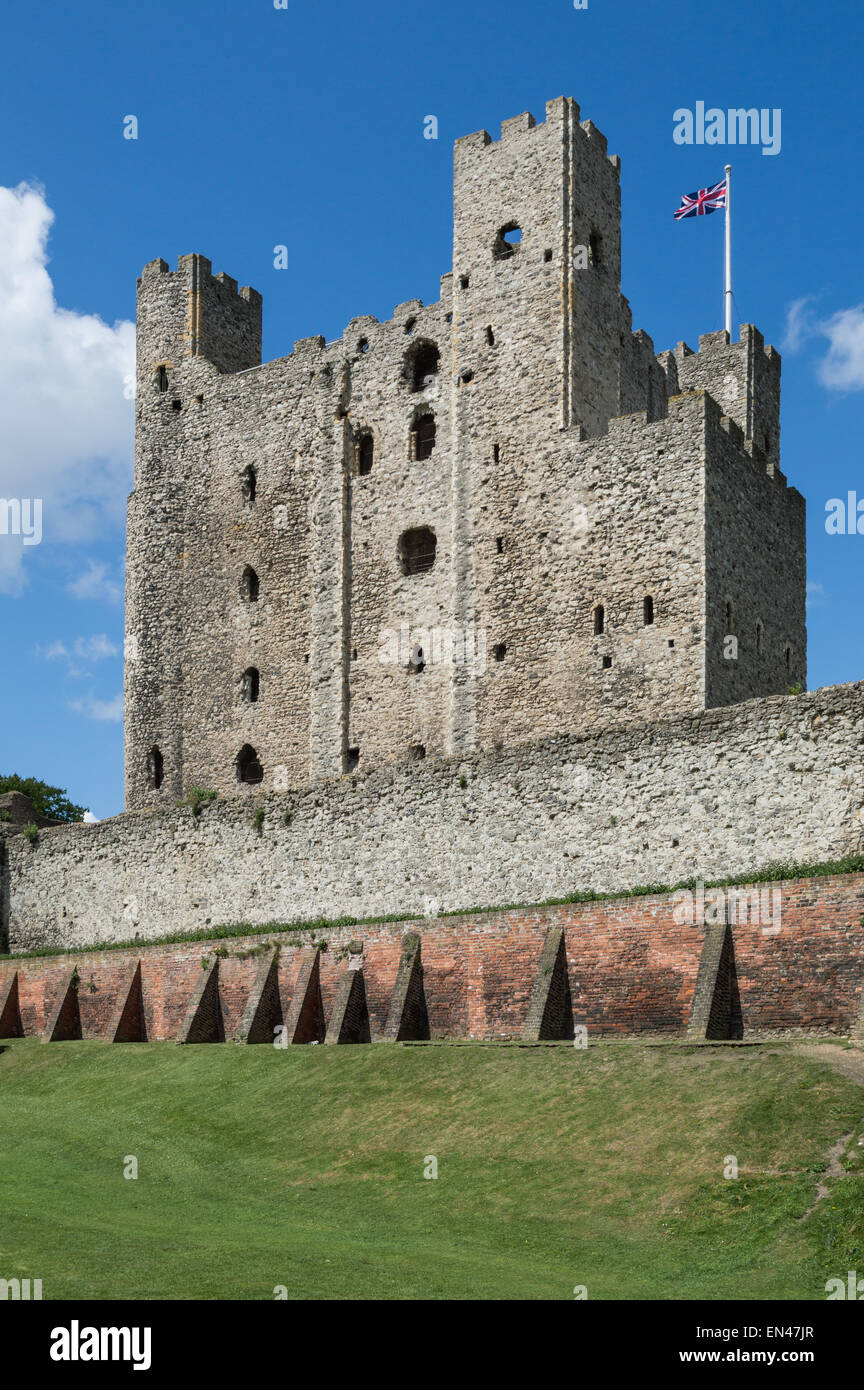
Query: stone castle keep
x,y
488,520
488,604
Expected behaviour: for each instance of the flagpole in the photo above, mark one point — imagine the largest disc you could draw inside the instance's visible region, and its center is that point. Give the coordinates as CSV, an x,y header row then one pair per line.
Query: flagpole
x,y
727,292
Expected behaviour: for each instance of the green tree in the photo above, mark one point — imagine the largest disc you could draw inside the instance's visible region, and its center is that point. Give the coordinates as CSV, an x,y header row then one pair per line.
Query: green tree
x,y
47,801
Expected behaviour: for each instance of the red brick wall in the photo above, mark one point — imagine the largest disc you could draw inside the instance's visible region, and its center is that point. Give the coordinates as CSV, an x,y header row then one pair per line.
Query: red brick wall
x,y
632,969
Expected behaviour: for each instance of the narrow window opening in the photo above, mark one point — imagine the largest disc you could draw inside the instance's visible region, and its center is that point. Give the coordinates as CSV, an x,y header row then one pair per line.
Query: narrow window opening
x,y
363,345
352,759
547,256
251,685
417,550
499,651
758,639
599,620
490,336
410,325
416,662
423,437
155,768
249,483
607,662
730,619
465,377
464,282
647,611
788,657
595,249
250,585
249,769
161,378
496,453
499,544
416,752
365,453
176,405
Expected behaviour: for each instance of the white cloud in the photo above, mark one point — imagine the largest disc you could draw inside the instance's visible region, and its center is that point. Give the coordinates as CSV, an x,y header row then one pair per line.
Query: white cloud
x,y
799,323
110,711
83,650
67,426
90,819
842,367
815,594
96,583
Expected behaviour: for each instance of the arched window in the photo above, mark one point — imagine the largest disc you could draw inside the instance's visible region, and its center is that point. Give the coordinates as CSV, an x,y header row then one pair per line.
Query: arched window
x,y
250,585
599,620
421,365
251,684
507,241
365,452
647,611
423,436
248,767
155,768
249,483
417,550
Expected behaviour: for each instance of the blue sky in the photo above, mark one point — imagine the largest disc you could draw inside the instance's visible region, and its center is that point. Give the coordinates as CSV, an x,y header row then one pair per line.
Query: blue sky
x,y
303,126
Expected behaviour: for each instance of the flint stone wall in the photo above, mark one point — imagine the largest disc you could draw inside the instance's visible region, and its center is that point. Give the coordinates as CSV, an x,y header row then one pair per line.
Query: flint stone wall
x,y
713,795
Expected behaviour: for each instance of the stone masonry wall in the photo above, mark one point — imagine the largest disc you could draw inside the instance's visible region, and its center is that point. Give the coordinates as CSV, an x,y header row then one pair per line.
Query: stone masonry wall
x,y
631,969
711,795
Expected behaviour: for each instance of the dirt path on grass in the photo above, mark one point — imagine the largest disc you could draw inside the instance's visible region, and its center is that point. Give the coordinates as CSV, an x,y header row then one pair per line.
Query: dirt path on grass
x,y
849,1062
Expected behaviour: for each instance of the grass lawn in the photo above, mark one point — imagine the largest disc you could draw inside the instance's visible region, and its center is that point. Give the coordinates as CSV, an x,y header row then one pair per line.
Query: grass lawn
x,y
303,1167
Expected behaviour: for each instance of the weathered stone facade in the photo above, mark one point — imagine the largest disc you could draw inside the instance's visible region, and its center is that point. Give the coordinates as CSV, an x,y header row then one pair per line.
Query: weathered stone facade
x,y
712,795
316,585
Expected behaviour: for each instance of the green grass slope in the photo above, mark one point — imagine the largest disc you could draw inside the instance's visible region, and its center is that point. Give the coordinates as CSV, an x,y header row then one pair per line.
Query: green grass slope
x,y
304,1167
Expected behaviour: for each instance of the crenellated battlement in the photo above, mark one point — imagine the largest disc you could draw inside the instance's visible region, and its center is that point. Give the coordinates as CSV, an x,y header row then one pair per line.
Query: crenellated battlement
x,y
189,312
558,112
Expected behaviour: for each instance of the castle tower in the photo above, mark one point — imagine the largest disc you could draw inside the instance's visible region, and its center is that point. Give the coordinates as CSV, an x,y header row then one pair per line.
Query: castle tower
x,y
485,521
191,327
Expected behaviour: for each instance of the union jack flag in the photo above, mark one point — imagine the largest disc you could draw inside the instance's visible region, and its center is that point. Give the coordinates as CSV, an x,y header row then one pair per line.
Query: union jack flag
x,y
703,201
